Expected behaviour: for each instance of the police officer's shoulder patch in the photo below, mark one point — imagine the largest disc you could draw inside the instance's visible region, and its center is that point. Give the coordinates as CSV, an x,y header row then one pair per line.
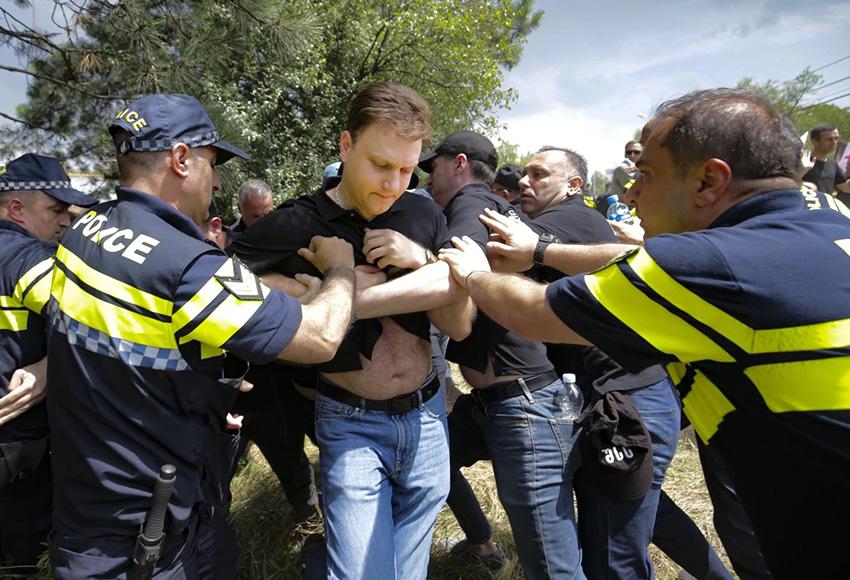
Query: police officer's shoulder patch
x,y
239,281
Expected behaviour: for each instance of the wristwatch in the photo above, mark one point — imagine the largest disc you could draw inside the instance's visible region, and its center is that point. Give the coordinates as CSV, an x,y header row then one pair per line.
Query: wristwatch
x,y
542,243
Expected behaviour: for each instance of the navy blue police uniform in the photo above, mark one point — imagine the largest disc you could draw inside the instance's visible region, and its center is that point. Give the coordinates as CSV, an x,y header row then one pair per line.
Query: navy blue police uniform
x,y
25,266
751,318
143,315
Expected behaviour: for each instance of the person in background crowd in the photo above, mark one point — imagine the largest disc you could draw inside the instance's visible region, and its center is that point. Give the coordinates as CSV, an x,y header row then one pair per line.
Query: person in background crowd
x,y
254,200
825,174
623,177
506,183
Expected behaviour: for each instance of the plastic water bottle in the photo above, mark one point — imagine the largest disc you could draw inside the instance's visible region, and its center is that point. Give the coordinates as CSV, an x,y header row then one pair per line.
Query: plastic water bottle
x,y
573,402
618,211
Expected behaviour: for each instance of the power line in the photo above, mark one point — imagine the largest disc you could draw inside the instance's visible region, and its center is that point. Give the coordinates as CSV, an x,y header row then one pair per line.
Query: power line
x,y
826,101
832,63
829,84
834,91
834,98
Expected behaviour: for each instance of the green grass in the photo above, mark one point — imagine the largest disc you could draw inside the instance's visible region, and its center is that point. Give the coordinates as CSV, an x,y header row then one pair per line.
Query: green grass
x,y
269,545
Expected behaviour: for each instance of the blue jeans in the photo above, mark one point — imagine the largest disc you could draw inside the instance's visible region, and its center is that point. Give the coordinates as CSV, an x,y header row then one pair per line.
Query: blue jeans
x,y
616,534
531,446
384,479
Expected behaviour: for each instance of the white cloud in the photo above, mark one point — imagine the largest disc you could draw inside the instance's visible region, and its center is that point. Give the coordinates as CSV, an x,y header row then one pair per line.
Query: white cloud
x,y
597,139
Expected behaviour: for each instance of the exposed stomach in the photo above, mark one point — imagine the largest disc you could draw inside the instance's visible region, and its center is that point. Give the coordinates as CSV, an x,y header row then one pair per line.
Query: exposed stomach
x,y
479,380
400,364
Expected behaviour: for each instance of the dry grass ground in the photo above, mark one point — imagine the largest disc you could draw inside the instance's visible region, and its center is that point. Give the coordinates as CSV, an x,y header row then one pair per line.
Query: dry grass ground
x,y
269,545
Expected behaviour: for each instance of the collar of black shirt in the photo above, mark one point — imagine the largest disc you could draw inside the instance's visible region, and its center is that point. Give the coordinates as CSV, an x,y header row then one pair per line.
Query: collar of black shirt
x,y
331,210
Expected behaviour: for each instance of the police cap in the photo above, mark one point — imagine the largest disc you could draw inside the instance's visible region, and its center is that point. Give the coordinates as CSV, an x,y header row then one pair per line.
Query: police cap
x,y
158,122
42,173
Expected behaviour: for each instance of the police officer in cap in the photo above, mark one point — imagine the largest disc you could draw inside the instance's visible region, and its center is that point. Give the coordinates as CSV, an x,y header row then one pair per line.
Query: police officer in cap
x,y
145,319
34,197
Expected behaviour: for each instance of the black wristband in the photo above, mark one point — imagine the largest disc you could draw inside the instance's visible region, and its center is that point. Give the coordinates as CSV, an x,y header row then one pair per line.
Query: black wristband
x,y
542,243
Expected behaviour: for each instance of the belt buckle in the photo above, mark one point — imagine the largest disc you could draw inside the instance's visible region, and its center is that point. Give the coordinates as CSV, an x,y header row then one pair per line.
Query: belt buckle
x,y
394,407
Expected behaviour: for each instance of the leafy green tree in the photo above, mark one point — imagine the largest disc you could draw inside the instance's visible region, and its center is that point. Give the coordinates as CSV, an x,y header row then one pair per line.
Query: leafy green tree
x,y
598,183
791,96
509,153
276,76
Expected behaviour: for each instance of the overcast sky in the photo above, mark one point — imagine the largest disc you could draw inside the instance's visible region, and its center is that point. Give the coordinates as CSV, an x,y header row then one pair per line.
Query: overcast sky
x,y
593,67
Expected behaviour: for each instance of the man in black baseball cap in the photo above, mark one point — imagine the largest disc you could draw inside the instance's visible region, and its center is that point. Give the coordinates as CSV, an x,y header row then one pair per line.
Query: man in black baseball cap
x,y
34,197
472,144
506,183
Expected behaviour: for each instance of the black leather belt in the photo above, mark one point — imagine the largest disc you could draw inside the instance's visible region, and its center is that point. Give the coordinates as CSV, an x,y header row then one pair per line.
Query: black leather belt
x,y
394,406
507,389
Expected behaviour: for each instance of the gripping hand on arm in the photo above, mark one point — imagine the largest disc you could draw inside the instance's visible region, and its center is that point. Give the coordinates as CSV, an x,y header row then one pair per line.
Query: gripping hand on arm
x,y
27,388
326,319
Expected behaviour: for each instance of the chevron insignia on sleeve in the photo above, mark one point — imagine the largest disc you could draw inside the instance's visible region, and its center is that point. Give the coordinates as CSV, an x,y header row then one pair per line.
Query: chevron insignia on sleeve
x,y
239,281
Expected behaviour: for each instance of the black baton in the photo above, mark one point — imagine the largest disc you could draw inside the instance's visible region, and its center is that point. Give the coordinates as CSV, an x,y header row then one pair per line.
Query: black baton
x,y
149,540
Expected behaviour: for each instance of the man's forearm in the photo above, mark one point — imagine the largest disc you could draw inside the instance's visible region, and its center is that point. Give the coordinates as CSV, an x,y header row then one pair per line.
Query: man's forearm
x,y
574,259
454,320
325,321
519,304
428,288
336,298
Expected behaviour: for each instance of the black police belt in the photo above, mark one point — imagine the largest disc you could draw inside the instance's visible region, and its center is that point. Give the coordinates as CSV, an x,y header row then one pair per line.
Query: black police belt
x,y
502,390
20,461
394,406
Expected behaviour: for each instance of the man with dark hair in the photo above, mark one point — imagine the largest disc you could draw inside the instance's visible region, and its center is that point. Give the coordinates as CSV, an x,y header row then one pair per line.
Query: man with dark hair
x,y
380,411
826,176
35,194
624,173
506,183
144,317
614,532
752,330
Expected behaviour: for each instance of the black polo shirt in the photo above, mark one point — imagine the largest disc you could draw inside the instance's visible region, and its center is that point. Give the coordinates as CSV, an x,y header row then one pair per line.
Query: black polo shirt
x,y
826,174
510,353
573,222
272,243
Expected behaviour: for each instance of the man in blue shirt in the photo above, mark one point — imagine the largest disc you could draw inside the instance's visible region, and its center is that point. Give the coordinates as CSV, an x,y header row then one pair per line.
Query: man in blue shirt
x,y
143,317
727,294
35,194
